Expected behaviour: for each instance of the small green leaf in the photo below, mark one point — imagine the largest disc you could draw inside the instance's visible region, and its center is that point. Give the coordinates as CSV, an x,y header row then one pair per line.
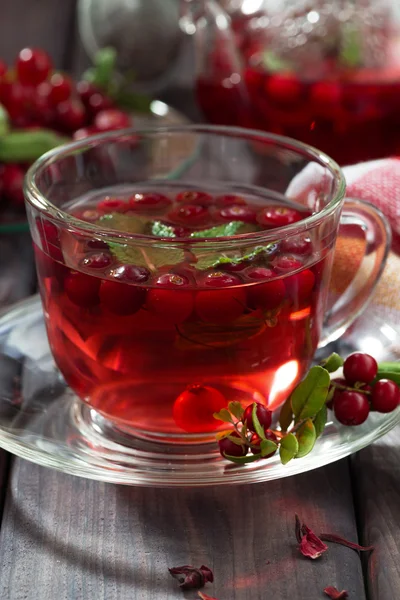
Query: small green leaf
x,y
332,363
306,437
286,415
222,434
256,423
268,447
393,376
392,367
236,440
289,448
258,251
309,396
223,415
122,223
236,409
320,420
351,50
242,460
152,257
224,230
162,230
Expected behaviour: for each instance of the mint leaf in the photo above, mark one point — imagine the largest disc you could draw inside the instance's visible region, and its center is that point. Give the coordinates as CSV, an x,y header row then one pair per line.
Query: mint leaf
x,y
236,409
162,230
286,415
152,257
288,449
351,50
223,415
309,396
320,421
258,251
332,363
306,437
268,447
274,63
122,223
256,423
224,230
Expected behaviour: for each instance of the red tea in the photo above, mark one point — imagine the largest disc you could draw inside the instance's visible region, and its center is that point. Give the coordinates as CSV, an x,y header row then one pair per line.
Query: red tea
x,y
160,334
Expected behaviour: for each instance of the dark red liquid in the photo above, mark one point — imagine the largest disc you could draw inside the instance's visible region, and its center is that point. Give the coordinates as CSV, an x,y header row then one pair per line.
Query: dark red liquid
x,y
132,341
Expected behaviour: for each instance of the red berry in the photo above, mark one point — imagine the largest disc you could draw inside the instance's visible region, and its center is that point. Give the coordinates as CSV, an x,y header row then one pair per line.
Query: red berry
x,y
82,289
97,261
300,285
71,115
255,441
15,101
297,245
131,274
220,305
326,94
42,108
264,416
337,391
191,214
219,279
267,295
98,102
237,212
278,216
351,408
385,396
111,119
33,66
229,448
285,264
360,367
85,90
120,298
229,200
194,409
97,245
170,300
285,89
12,179
112,205
194,197
148,201
60,88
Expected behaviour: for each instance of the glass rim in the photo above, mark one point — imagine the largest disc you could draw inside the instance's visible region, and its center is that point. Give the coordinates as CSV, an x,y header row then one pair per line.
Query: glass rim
x,y
36,198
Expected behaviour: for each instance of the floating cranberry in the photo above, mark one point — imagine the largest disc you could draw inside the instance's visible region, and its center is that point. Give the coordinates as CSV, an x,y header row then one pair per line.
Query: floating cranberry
x,y
297,245
255,442
170,300
71,114
278,216
97,261
219,279
285,89
190,214
60,88
300,285
97,245
286,264
264,416
82,290
148,201
326,95
12,179
194,197
98,102
385,396
194,409
360,367
131,274
109,205
237,212
120,298
351,408
220,305
112,119
229,200
33,66
267,295
229,448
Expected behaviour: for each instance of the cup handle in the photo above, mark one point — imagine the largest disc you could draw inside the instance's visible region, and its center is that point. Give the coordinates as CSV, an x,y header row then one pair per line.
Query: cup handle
x,y
378,239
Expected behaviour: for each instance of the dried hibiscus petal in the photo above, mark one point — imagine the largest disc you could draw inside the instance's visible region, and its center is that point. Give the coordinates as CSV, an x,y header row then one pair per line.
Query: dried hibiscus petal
x,y
331,537
190,577
309,544
334,593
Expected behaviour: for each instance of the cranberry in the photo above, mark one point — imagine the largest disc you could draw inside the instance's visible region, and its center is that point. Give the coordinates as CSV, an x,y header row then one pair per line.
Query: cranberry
x,y
84,132
360,367
131,274
237,212
170,299
15,101
12,179
229,200
351,408
71,114
385,396
189,213
221,305
97,261
278,216
98,102
337,391
82,289
264,416
300,285
267,295
42,108
85,90
148,200
194,409
219,279
194,197
120,298
255,442
97,245
3,68
297,245
112,205
284,89
111,119
326,94
33,66
229,448
60,88
285,264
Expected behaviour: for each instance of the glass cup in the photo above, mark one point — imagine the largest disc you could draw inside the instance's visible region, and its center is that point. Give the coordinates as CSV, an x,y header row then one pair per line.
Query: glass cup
x,y
155,333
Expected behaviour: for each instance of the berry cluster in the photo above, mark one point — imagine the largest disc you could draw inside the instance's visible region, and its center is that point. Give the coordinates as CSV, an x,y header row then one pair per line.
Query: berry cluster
x,y
358,392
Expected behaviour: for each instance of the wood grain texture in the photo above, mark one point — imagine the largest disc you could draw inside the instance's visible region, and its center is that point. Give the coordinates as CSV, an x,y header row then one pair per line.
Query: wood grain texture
x,y
376,478
72,539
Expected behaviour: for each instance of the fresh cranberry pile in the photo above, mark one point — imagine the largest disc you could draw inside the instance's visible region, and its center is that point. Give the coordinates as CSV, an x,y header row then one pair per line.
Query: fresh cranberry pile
x,y
35,96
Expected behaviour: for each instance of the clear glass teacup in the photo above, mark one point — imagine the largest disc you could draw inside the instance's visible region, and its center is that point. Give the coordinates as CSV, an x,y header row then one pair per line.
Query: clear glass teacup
x,y
183,268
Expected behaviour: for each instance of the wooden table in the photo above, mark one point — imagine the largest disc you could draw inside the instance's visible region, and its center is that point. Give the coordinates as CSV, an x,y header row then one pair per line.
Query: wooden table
x,y
64,538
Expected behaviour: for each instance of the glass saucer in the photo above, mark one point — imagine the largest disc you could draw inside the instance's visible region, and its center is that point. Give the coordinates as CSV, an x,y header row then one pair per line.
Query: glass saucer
x,y
43,421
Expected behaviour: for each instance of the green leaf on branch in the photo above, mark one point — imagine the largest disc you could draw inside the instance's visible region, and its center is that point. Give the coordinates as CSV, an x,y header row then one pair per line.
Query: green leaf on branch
x,y
223,415
289,448
332,363
306,437
309,396
286,415
236,409
320,421
268,447
220,435
242,460
256,423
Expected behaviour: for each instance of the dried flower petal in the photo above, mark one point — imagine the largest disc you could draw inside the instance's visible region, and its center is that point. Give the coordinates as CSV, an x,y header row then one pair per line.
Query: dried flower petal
x,y
331,537
310,545
191,578
205,597
297,528
334,594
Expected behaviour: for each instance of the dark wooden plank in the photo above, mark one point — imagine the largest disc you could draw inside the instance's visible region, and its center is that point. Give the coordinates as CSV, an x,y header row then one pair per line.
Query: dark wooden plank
x,y
376,476
85,540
